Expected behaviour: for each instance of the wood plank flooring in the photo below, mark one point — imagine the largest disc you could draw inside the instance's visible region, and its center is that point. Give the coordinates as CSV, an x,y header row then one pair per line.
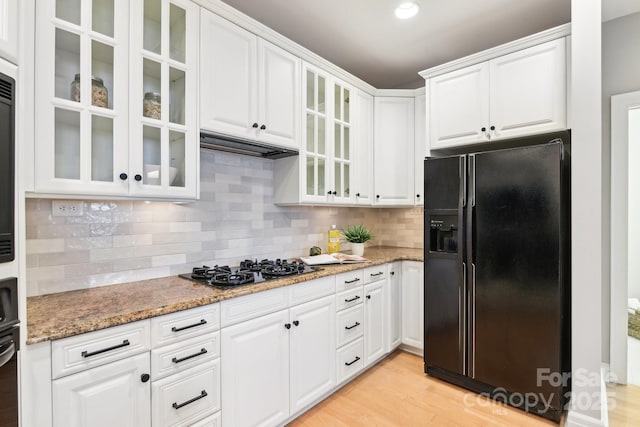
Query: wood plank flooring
x,y
396,392
624,405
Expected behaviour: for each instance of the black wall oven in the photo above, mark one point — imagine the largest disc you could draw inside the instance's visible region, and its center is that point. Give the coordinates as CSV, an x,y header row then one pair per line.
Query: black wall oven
x,y
7,167
9,346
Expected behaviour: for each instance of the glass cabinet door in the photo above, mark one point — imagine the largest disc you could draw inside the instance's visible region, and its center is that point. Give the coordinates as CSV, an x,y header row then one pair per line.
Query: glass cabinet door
x,y
164,138
81,96
342,142
315,137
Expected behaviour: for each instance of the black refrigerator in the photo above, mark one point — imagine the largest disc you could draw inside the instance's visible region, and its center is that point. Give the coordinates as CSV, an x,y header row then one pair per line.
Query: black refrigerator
x,y
497,272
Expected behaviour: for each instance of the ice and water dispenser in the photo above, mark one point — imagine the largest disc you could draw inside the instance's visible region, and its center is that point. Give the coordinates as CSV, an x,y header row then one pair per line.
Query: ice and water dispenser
x,y
443,234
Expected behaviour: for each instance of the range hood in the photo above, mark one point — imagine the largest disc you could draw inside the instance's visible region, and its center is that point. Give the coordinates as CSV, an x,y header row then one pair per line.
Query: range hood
x,y
216,141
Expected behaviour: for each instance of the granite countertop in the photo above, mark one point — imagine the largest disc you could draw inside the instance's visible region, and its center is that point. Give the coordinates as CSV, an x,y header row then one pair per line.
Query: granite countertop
x,y
64,314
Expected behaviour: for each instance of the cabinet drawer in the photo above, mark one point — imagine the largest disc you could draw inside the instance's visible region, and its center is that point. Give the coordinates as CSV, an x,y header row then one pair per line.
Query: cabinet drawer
x,y
75,354
187,397
211,421
349,298
185,324
375,273
184,355
350,325
349,280
238,310
350,360
310,290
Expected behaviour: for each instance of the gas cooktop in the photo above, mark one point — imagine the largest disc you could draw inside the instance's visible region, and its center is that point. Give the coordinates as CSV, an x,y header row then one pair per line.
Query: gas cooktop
x,y
248,272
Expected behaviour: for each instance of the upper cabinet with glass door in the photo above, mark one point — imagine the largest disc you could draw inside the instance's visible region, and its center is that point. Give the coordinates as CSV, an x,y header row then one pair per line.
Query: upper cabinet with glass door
x,y
81,96
163,153
88,66
323,172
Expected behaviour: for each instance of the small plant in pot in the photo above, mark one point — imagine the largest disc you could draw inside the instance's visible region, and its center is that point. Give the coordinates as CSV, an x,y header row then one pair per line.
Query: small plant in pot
x,y
357,235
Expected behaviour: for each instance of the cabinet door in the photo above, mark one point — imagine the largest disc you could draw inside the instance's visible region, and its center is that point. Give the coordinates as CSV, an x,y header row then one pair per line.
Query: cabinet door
x,y
9,30
413,304
278,95
82,92
314,153
341,152
107,396
459,107
313,351
528,91
164,141
420,148
394,304
374,321
228,78
255,371
363,156
393,151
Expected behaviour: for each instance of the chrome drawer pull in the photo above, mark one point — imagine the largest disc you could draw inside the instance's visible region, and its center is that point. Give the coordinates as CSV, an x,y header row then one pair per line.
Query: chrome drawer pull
x,y
200,353
356,298
353,326
351,281
352,362
177,405
202,322
104,350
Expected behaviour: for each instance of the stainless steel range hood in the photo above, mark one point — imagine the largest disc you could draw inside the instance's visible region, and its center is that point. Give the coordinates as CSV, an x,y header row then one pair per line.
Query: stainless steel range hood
x,y
215,141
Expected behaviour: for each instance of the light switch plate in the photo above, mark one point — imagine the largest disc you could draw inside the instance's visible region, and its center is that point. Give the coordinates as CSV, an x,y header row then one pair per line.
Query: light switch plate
x,y
66,207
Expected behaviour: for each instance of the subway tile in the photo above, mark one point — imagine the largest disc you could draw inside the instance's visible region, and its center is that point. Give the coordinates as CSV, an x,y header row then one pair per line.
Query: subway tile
x,y
135,263
87,269
173,259
43,246
185,226
63,258
132,240
79,243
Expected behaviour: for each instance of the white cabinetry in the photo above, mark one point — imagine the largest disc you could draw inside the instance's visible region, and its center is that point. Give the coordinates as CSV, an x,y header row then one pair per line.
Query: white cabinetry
x,y
394,306
281,361
420,149
249,88
413,305
363,161
374,322
94,72
520,93
394,151
106,396
9,30
323,173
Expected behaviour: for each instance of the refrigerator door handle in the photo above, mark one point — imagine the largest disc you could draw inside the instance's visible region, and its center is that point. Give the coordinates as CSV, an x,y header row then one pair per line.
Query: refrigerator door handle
x,y
464,318
473,320
463,172
472,173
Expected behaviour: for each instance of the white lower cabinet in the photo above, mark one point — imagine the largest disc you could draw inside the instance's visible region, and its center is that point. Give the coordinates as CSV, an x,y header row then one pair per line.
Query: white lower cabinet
x,y
278,363
374,322
114,394
413,304
212,421
186,397
394,306
350,360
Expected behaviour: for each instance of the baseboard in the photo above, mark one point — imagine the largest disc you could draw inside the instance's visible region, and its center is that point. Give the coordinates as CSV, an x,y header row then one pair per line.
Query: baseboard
x,y
577,419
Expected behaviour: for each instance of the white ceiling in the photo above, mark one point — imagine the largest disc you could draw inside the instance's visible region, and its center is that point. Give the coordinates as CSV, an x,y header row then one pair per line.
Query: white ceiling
x,y
364,37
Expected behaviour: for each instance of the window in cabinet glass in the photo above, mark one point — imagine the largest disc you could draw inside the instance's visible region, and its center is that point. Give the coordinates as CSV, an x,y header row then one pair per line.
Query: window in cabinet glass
x,y
176,158
152,26
69,10
67,65
151,98
176,95
101,148
101,75
177,33
151,155
67,144
102,17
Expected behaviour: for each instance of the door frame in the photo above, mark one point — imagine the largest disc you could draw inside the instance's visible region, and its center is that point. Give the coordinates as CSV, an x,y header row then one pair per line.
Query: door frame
x,y
620,106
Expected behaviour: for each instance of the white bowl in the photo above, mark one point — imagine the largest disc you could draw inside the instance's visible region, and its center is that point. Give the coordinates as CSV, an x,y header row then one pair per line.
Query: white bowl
x,y
152,174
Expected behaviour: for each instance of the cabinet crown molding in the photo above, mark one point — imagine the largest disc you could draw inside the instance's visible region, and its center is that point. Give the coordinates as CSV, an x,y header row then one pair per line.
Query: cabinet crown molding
x,y
495,52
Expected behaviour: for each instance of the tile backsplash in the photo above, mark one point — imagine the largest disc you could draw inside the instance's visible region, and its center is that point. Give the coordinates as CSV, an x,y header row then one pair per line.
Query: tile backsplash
x,y
122,241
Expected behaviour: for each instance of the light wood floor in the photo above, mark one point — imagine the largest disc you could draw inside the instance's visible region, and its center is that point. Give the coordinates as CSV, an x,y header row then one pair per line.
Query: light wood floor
x,y
396,392
624,405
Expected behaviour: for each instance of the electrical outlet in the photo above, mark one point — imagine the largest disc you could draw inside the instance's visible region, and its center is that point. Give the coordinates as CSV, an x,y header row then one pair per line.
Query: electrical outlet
x,y
66,207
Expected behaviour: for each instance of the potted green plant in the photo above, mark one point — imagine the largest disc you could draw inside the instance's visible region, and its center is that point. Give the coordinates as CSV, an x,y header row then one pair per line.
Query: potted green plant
x,y
357,235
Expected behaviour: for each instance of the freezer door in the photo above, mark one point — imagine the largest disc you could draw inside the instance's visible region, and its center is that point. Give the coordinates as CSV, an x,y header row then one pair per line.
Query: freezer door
x,y
515,268
444,292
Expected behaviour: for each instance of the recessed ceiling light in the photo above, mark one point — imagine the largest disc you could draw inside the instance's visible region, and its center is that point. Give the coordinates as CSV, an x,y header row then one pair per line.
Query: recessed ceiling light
x,y
407,10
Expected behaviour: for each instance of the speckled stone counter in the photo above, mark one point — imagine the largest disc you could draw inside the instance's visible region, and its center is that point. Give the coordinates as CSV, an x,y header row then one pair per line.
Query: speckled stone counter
x,y
55,316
